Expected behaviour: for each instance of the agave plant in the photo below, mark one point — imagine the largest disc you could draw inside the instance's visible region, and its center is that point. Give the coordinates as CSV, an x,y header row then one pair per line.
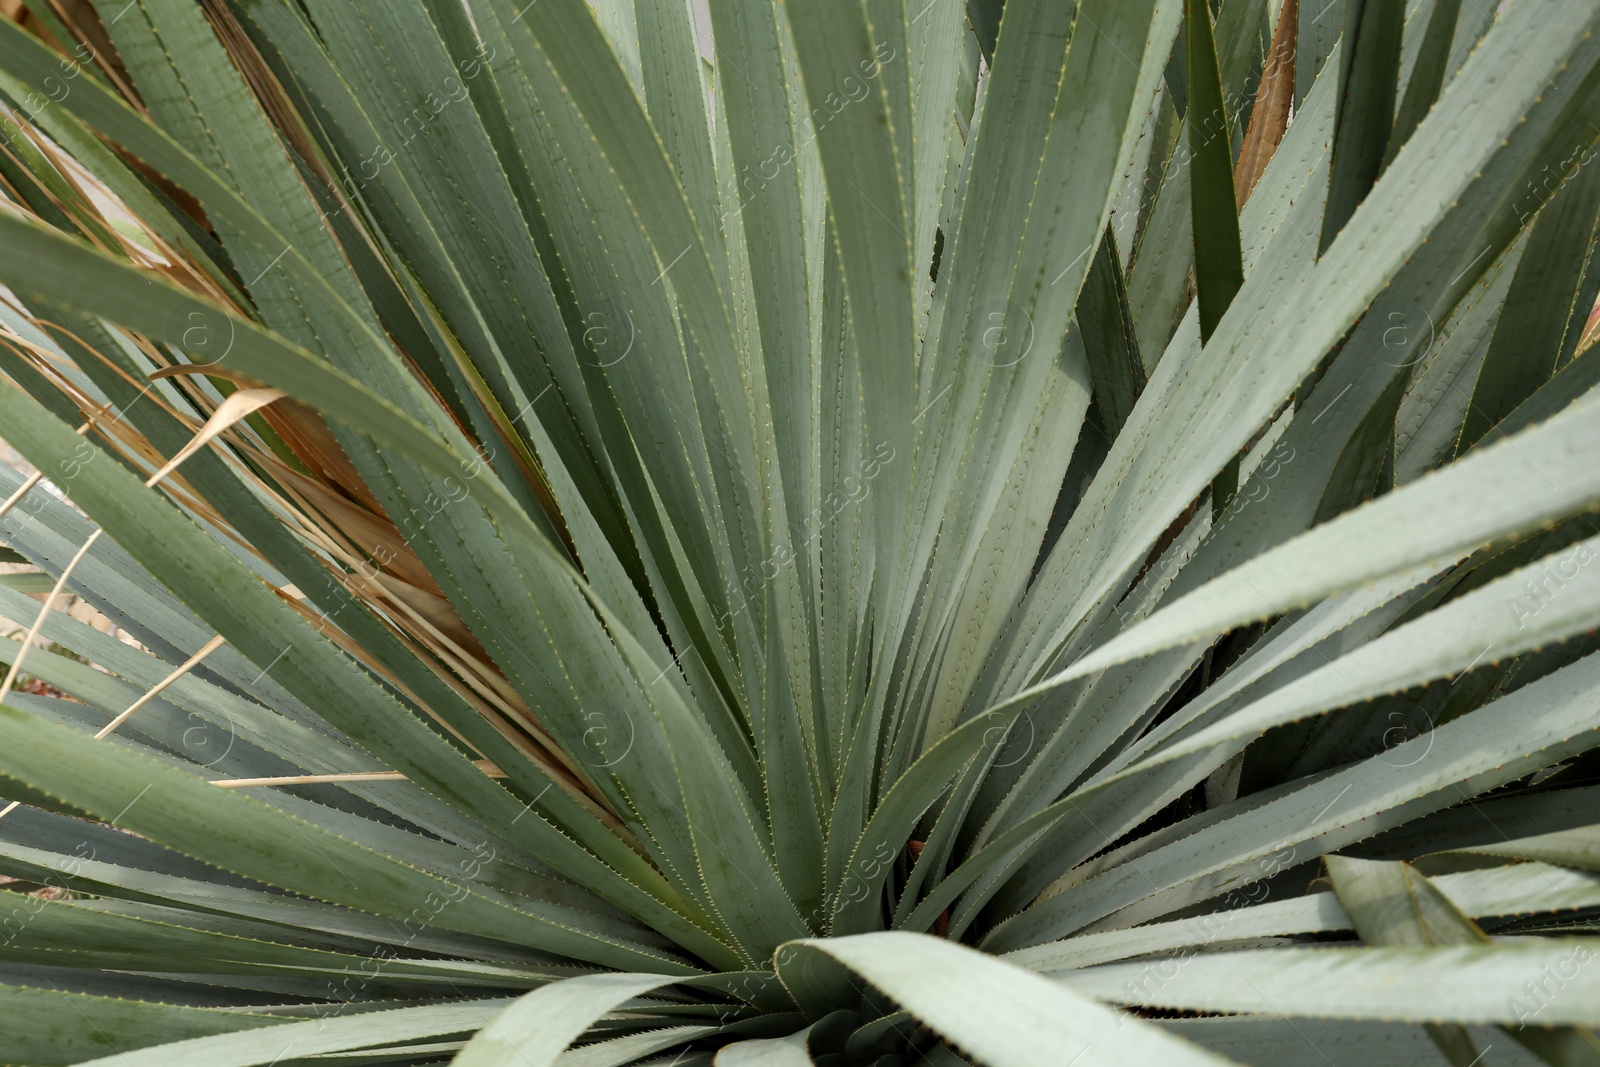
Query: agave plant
x,y
822,531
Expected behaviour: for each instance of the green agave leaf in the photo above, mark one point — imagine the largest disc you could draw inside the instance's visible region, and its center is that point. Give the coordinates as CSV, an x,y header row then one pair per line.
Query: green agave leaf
x,y
46,1026
83,935
1119,703
675,87
1511,890
337,1034
630,1049
1470,984
308,295
187,813
539,1027
577,187
1243,527
1218,260
517,631
253,677
511,627
1298,647
767,1052
245,513
1571,848
262,627
1368,76
28,583
1164,427
1143,179
1158,274
1313,1042
995,1013
1499,620
1470,29
793,541
1426,74
261,245
979,618
1528,342
1243,29
689,781
566,35
431,162
1394,904
207,723
999,570
248,719
194,92
1465,757
46,190
943,75
1544,473
1428,425
984,18
839,49
80,857
1572,381
992,353
64,270
103,698
1518,815
1104,323
856,891
769,206
154,211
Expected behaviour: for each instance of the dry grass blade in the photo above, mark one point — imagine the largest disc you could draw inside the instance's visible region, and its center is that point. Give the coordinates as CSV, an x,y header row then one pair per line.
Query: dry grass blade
x,y
1269,118
161,686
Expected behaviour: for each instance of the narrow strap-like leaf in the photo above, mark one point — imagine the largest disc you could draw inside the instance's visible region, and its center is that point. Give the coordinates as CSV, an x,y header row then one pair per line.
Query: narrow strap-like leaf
x,y
536,1029
1470,984
258,1047
1491,893
1544,473
1427,73
1218,261
997,1013
1497,621
1394,904
1529,339
1369,70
